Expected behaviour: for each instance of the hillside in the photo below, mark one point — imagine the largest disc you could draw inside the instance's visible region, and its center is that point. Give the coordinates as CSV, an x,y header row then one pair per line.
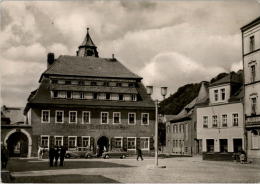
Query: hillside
x,y
185,94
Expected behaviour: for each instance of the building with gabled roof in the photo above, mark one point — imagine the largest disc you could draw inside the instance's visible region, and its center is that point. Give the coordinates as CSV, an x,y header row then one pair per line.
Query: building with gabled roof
x,y
88,101
220,123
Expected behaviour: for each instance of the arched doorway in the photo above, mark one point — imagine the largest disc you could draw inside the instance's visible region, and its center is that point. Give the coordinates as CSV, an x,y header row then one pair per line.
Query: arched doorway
x,y
17,144
103,143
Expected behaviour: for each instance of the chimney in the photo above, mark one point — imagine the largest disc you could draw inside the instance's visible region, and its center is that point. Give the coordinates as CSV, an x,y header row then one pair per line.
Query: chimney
x,y
50,59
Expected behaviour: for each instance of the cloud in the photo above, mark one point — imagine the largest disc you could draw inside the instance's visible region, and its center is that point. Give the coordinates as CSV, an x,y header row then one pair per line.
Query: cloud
x,y
174,70
237,66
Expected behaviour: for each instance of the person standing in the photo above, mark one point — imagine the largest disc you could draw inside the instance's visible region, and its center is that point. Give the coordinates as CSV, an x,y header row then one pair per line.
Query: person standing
x,y
56,155
62,155
40,152
4,156
51,156
139,154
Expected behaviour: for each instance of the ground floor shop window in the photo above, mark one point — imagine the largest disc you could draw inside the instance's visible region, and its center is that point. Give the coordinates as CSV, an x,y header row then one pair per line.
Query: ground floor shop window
x,y
131,143
44,141
118,142
144,143
58,140
210,145
255,139
72,141
223,143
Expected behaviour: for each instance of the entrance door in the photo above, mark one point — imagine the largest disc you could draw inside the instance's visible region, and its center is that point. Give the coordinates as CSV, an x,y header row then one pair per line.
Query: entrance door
x,y
17,145
210,145
223,145
103,143
237,143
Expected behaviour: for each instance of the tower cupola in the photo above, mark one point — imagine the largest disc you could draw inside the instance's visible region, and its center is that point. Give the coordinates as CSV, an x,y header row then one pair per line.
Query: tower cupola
x,y
87,48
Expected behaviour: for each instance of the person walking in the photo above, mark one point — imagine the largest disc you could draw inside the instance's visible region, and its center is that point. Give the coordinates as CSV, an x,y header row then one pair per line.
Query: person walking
x,y
56,155
62,155
4,156
40,152
139,154
51,156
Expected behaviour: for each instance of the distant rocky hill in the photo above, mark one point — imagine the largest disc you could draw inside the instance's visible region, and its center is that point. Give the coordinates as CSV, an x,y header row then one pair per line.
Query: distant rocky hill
x,y
185,94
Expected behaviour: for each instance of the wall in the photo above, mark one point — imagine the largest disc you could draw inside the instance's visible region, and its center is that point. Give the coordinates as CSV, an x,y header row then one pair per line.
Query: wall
x,y
246,38
230,132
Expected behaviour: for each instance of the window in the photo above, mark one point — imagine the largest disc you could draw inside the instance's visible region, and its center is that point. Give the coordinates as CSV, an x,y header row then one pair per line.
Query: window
x,y
76,95
235,119
45,141
168,129
102,96
72,141
118,84
54,81
131,85
85,117
118,142
145,119
58,140
216,95
215,121
116,117
55,94
224,120
144,143
93,83
85,141
173,143
69,94
223,94
107,96
104,117
131,118
88,96
61,81
73,117
62,94
252,73
253,101
95,95
121,97
134,97
81,83
67,82
75,82
175,128
179,128
45,116
255,139
205,121
252,43
210,145
59,117
131,143
81,95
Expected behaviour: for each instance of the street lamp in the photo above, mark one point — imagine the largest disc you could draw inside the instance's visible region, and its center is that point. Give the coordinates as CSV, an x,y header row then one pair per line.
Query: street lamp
x,y
163,93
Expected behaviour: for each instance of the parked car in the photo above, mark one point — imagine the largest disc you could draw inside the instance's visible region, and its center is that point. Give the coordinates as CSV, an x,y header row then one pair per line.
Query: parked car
x,y
115,153
79,152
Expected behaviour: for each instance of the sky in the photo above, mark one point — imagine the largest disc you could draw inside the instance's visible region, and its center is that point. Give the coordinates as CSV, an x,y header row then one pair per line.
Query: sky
x,y
168,43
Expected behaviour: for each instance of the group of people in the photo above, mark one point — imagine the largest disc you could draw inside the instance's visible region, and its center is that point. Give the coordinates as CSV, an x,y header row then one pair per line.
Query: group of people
x,y
56,153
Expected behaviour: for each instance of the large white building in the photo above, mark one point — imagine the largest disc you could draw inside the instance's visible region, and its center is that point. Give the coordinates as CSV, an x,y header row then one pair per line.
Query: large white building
x,y
220,125
251,63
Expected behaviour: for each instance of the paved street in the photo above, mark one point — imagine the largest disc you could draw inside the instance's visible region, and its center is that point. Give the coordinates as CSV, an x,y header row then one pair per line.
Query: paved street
x,y
178,170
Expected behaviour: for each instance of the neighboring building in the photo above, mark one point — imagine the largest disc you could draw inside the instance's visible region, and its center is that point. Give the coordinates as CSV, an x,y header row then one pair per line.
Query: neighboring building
x,y
85,101
15,132
181,128
220,124
251,64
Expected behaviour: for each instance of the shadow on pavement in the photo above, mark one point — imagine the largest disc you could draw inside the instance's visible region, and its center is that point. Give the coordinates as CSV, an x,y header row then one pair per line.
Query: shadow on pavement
x,y
17,165
64,179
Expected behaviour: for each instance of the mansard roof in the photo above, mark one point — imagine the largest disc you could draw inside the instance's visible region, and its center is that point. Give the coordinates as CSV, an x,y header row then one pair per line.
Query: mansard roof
x,y
42,96
89,67
230,78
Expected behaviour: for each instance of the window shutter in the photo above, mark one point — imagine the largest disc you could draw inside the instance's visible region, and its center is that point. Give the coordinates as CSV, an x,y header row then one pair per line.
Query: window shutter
x,y
51,141
151,143
124,144
65,141
138,143
92,144
79,141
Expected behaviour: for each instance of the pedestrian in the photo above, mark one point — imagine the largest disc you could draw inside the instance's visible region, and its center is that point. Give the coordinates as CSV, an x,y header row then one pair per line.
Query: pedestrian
x,y
51,155
56,155
40,152
139,154
62,155
98,151
4,156
242,157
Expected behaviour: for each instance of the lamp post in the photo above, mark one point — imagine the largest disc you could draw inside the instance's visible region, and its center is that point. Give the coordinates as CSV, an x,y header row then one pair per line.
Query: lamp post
x,y
163,93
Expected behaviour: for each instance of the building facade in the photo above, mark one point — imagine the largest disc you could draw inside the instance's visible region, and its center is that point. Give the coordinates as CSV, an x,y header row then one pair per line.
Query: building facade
x,y
88,101
15,132
220,125
181,134
251,64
